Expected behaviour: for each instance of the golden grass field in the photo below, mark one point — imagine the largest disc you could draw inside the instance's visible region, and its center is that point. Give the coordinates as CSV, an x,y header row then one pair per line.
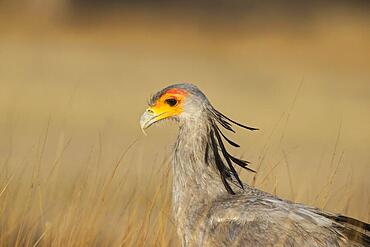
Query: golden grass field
x,y
75,169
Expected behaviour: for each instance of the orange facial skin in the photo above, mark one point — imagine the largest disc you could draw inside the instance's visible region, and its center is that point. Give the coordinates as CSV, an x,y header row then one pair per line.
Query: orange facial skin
x,y
169,104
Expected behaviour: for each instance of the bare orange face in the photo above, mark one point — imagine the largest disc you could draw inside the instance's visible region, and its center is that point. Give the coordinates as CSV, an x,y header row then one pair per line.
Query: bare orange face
x,y
169,104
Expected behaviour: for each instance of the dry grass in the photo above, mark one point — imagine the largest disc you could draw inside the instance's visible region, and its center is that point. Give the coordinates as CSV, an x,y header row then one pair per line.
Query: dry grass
x,y
92,208
43,204
76,171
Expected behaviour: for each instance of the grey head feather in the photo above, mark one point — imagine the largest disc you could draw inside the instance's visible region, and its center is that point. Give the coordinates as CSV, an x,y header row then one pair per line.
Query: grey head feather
x,y
188,87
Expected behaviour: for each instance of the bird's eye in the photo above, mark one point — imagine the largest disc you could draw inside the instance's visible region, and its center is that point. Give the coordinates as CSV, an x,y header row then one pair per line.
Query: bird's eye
x,y
171,102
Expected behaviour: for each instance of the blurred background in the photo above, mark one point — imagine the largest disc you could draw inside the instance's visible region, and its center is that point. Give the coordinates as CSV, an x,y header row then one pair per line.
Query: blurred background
x,y
75,76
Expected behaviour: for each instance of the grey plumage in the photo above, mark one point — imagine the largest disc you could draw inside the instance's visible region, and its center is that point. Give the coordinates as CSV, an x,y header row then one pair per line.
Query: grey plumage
x,y
212,207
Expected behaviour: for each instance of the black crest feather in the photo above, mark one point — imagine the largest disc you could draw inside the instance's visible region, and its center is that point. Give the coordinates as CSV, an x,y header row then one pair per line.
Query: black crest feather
x,y
224,173
225,161
222,119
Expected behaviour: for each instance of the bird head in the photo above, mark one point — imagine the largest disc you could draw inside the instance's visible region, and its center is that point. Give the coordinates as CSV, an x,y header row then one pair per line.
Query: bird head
x,y
178,102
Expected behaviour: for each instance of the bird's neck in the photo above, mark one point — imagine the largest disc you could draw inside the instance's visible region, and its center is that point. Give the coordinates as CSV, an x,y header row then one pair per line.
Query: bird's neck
x,y
196,179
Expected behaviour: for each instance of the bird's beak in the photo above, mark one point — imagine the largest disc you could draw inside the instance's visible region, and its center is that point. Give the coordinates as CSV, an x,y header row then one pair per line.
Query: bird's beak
x,y
147,119
156,113
150,117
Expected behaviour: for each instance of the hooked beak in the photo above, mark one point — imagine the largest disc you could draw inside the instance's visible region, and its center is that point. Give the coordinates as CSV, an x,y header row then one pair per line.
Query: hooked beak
x,y
148,118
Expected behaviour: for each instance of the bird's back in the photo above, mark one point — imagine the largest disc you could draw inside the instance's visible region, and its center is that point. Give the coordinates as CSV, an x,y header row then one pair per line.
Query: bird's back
x,y
255,218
